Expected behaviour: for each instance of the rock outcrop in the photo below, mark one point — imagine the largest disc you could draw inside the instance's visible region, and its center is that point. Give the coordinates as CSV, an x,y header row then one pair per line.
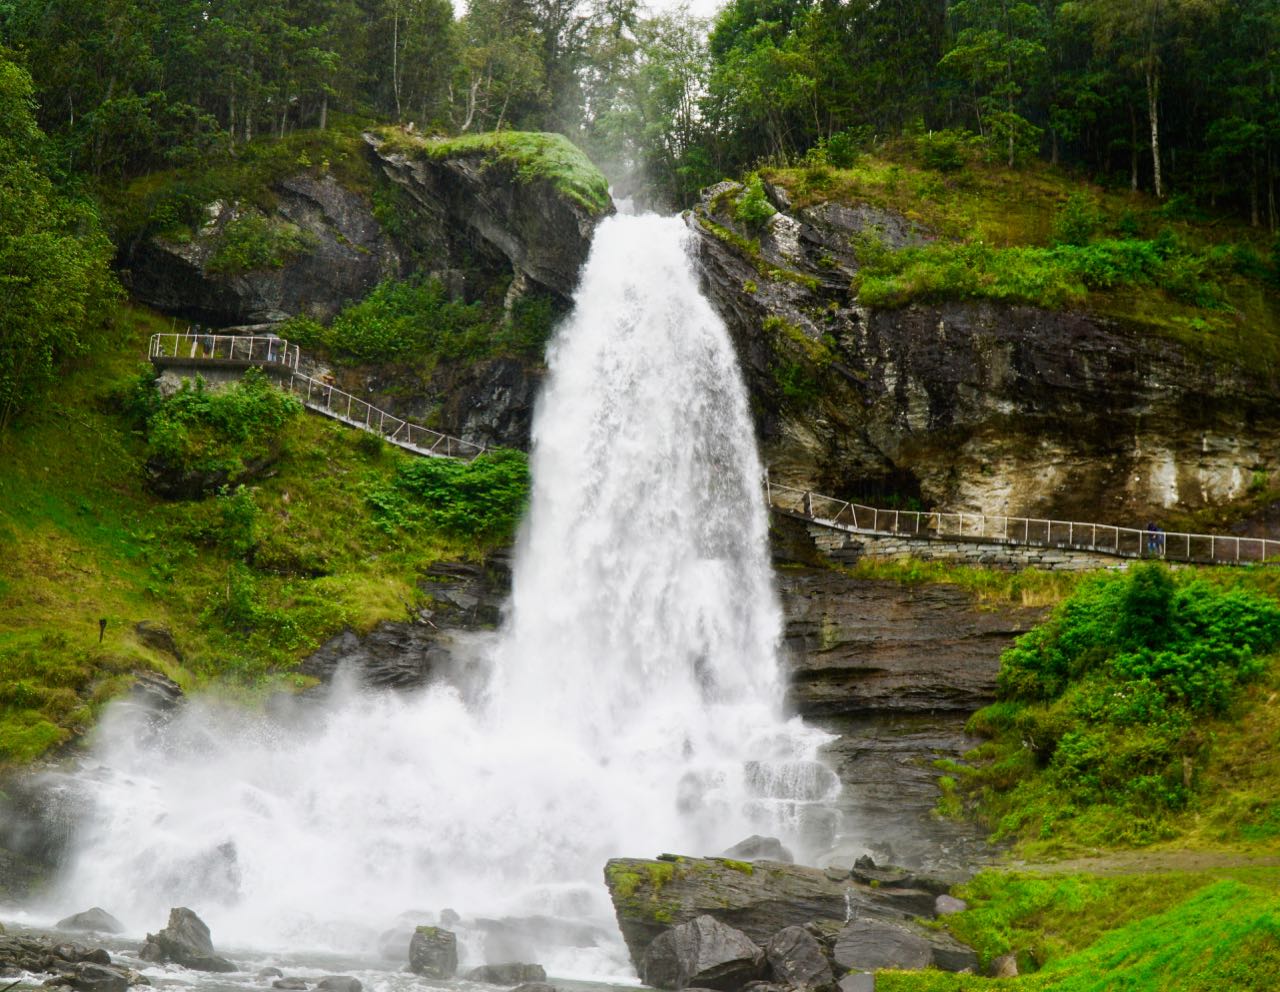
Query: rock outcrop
x,y
185,941
710,922
970,405
72,965
93,920
330,250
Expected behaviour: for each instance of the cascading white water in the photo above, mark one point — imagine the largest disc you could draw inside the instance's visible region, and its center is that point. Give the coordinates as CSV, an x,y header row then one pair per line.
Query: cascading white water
x,y
632,705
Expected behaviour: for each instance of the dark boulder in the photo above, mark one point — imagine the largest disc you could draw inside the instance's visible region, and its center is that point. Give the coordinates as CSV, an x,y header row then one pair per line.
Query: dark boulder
x,y
703,952
433,953
510,973
535,987
92,977
185,941
797,959
757,848
265,973
339,983
158,637
290,984
95,920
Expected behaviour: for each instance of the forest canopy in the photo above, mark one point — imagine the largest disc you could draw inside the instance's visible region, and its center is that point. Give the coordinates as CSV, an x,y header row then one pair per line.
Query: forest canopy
x,y
1180,98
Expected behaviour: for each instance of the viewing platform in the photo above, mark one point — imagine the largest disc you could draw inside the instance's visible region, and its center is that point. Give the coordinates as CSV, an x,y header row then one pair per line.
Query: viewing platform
x,y
225,357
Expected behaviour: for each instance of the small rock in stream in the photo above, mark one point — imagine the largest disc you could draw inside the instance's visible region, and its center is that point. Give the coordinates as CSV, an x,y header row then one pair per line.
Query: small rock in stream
x,y
184,941
290,984
266,973
510,973
339,983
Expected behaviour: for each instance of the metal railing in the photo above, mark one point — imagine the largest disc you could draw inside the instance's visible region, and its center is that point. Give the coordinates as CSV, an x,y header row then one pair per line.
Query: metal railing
x,y
322,397
1103,539
340,405
200,347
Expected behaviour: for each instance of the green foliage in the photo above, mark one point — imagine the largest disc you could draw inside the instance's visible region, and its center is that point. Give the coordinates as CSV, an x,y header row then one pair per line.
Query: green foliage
x,y
483,498
417,319
1100,706
217,435
56,288
1078,220
250,242
533,156
943,151
753,208
1055,277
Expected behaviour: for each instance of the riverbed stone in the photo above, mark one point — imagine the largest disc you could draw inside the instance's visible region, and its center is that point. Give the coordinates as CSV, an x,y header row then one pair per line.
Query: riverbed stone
x,y
508,973
290,984
703,952
433,952
858,981
796,959
535,987
95,920
266,973
339,983
93,977
185,941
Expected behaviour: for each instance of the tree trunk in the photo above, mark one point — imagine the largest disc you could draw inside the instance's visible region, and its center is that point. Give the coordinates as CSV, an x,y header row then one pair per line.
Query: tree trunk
x,y
395,60
1133,150
324,111
1153,100
1255,215
1053,146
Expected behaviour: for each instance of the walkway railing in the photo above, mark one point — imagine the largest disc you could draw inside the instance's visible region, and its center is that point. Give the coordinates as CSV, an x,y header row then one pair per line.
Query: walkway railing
x,y
1103,539
322,397
198,347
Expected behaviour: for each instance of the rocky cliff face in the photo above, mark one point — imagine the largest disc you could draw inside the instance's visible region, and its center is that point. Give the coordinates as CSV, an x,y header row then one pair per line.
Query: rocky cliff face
x,y
969,405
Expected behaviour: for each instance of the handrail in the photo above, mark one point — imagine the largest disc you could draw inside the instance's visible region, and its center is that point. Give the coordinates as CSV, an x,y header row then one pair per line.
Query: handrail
x,y
199,346
322,397
1104,539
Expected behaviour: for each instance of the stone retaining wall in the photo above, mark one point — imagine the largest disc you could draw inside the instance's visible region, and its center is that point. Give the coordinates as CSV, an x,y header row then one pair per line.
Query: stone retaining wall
x,y
847,548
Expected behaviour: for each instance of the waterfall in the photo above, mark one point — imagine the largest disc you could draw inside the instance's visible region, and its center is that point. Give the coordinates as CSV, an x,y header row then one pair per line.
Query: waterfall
x,y
632,704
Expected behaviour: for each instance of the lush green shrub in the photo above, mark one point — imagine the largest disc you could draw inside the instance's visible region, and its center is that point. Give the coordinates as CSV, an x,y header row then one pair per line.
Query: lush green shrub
x,y
251,242
200,439
1077,220
483,498
417,319
1104,697
753,208
944,151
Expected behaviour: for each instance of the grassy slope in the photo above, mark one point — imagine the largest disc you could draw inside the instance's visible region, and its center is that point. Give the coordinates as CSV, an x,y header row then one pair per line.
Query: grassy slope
x,y
81,539
1002,208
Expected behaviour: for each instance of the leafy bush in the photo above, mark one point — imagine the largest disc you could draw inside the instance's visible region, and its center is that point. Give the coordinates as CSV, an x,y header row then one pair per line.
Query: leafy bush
x,y
200,439
944,151
252,242
416,318
483,498
1077,220
753,208
1103,698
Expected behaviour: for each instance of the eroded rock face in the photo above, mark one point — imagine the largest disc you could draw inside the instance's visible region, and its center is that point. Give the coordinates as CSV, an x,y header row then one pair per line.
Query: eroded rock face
x,y
543,235
341,254
972,405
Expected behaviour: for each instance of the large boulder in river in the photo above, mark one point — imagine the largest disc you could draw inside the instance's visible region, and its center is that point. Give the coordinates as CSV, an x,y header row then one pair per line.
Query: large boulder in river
x,y
868,945
759,898
703,953
433,953
185,941
95,920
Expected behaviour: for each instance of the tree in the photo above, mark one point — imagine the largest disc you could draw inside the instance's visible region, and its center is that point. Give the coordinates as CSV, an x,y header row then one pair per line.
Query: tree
x,y
55,283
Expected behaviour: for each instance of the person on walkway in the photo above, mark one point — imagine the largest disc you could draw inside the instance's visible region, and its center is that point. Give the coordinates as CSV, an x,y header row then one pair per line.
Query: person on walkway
x,y
808,503
1152,537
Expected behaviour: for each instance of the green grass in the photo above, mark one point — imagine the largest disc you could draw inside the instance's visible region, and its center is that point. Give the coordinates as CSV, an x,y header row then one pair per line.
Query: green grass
x,y
1143,934
534,155
1041,236
248,585
990,586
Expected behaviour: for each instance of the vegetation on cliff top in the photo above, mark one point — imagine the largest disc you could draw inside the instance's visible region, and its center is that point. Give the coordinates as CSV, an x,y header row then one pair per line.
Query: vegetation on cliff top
x,y
532,155
1120,718
248,581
